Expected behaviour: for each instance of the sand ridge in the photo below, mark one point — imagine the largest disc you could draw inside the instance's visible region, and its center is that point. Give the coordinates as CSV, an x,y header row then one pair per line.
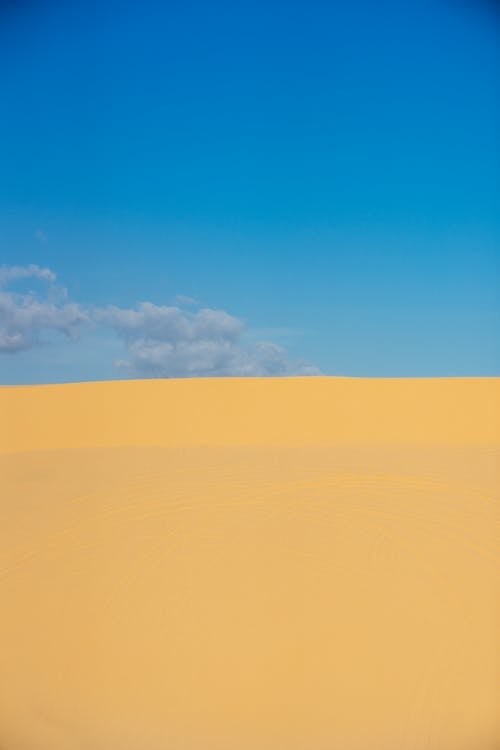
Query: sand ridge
x,y
229,411
274,563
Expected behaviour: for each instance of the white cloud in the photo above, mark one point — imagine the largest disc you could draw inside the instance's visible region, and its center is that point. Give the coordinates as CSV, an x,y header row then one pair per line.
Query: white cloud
x,y
25,318
170,324
17,273
160,341
170,342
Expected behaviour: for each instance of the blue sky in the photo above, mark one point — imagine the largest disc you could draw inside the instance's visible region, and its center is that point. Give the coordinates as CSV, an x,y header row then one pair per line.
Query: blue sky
x,y
320,176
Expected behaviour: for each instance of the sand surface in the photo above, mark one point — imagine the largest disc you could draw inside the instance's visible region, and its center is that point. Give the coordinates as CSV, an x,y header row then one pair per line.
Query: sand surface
x,y
250,564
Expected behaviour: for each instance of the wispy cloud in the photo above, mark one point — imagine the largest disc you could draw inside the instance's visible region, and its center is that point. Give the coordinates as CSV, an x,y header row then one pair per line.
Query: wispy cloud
x,y
8,274
159,340
26,317
41,236
183,301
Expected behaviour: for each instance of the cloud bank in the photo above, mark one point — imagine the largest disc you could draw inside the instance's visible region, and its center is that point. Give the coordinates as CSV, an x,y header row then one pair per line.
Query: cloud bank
x,y
159,341
168,341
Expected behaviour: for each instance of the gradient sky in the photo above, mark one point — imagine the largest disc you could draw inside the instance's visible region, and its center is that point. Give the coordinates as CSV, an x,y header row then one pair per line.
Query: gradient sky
x,y
324,172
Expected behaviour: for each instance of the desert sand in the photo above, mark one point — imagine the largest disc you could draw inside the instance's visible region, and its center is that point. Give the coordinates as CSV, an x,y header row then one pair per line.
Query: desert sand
x,y
250,564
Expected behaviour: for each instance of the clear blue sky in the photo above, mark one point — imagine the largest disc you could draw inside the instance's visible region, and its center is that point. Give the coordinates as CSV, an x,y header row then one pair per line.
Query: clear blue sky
x,y
325,172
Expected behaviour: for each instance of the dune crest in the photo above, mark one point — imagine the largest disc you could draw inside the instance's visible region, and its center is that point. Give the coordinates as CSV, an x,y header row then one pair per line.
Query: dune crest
x,y
287,563
247,411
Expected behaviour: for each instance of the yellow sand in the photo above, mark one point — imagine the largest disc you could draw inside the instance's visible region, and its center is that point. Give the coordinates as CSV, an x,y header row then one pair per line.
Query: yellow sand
x,y
250,564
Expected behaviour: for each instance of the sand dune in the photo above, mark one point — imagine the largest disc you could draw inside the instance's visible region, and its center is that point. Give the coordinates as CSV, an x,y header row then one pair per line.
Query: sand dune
x,y
222,564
